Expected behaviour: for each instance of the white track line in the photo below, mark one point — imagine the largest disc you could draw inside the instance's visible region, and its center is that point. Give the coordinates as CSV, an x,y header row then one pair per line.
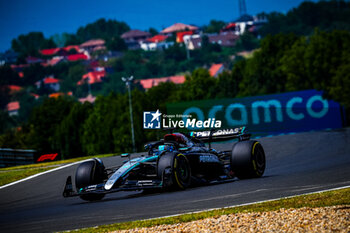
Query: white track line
x,y
251,203
42,173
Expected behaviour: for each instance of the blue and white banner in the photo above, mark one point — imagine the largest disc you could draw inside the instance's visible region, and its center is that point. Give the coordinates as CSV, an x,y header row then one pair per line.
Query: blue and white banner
x,y
269,114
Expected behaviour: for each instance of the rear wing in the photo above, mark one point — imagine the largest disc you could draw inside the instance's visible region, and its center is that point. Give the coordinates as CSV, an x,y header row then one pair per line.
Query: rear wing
x,y
222,135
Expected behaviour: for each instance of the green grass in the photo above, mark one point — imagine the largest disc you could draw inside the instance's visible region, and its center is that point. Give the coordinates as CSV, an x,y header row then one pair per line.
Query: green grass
x,y
330,198
11,174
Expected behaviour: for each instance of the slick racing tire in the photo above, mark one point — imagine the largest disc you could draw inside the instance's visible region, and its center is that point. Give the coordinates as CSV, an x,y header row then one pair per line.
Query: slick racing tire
x,y
90,173
248,159
174,170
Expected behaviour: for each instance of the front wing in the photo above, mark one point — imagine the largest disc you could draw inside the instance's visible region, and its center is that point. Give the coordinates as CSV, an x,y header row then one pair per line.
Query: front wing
x,y
129,185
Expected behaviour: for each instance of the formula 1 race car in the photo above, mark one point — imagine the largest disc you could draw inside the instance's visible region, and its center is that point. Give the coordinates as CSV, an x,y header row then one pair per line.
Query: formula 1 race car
x,y
175,162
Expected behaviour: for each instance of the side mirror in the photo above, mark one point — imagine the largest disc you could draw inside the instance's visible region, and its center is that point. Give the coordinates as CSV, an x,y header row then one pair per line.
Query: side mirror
x,y
125,155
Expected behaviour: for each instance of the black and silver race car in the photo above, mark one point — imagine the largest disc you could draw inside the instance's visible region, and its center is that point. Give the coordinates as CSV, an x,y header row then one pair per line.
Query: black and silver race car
x,y
176,161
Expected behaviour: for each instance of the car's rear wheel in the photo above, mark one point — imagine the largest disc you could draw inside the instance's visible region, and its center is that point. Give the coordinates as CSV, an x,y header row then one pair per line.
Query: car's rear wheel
x,y
248,159
90,173
174,170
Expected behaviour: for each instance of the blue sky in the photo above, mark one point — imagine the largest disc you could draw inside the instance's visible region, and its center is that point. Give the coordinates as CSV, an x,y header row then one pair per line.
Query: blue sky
x,y
51,17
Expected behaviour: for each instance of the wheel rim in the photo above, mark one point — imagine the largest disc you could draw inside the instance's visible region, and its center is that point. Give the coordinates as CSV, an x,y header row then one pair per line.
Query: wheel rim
x,y
260,157
182,170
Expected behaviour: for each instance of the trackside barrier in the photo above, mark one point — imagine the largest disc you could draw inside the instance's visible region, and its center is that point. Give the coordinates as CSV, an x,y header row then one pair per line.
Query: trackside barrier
x,y
14,157
269,114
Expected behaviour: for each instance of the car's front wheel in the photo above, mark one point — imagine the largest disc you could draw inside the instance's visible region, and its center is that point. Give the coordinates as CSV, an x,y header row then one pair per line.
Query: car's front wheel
x,y
174,170
90,173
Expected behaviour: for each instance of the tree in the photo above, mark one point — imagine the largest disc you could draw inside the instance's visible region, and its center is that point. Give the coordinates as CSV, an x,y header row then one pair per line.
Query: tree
x,y
228,82
31,43
326,15
69,133
6,122
199,85
153,31
340,86
313,62
116,44
214,26
104,29
247,41
263,73
27,102
75,73
45,120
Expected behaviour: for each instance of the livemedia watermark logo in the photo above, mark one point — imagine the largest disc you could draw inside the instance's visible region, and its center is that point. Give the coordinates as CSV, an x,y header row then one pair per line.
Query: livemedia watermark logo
x,y
151,120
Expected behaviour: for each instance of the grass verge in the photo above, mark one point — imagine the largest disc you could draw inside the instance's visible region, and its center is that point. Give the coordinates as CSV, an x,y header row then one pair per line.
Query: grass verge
x,y
330,198
12,174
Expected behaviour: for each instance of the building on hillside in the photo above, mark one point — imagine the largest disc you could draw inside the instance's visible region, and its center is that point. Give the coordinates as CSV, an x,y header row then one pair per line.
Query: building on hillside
x,y
180,35
225,39
77,57
70,49
20,67
8,57
55,60
54,52
36,96
245,23
178,27
89,98
58,94
93,77
13,89
93,45
13,108
216,69
49,83
135,35
133,38
34,60
157,42
152,82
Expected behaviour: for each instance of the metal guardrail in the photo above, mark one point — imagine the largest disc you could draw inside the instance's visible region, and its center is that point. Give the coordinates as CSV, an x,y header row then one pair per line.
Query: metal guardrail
x,y
14,157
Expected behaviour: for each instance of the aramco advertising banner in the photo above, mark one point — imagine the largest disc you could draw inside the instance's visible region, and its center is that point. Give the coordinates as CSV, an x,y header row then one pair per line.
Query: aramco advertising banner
x,y
266,115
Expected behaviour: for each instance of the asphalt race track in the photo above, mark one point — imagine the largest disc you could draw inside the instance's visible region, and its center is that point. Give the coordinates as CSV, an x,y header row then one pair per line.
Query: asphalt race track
x,y
296,164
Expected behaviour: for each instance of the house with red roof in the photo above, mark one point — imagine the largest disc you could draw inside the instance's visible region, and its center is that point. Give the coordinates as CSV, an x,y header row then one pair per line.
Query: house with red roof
x,y
157,42
152,82
77,57
93,77
216,69
55,60
54,52
36,96
178,27
245,23
180,36
70,49
13,108
49,82
89,98
58,94
14,88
